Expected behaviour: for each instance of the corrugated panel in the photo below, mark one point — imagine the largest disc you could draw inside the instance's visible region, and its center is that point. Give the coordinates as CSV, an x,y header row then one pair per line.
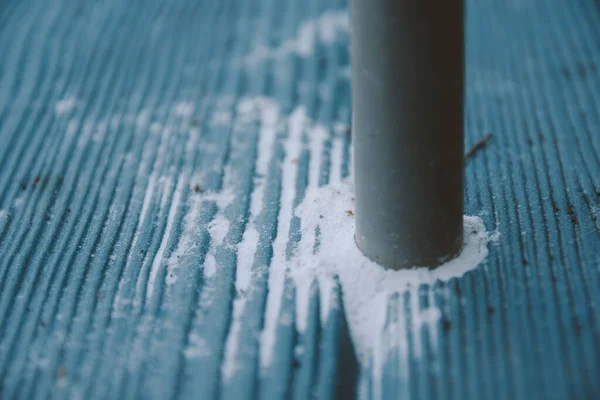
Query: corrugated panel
x,y
149,173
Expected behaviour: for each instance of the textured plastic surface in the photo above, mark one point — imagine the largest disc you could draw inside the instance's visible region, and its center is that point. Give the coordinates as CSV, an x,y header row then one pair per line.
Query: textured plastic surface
x,y
111,112
407,86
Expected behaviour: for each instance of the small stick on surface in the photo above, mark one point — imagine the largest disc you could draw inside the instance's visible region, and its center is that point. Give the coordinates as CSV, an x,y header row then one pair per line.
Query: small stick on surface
x,y
478,146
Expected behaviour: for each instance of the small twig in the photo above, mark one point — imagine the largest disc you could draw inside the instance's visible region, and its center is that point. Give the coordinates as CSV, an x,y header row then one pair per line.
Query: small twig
x,y
478,146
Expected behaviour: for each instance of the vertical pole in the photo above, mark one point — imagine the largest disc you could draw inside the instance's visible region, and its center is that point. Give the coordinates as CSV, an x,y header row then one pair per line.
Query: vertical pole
x,y
407,89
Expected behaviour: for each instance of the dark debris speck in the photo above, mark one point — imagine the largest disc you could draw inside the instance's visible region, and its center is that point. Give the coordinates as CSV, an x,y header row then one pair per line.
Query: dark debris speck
x,y
572,215
577,325
446,325
458,290
478,146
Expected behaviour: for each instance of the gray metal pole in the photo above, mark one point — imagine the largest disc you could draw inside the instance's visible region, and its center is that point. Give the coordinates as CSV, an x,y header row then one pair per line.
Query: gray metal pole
x,y
407,89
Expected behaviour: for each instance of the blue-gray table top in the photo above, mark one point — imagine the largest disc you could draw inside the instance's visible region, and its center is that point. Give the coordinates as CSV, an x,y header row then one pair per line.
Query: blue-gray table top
x,y
148,177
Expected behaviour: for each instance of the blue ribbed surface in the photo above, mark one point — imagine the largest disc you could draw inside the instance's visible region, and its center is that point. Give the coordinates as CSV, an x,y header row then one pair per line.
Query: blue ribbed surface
x,y
116,149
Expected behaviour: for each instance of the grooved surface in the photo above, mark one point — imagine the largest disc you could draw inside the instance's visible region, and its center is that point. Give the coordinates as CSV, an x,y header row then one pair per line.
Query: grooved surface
x,y
151,157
